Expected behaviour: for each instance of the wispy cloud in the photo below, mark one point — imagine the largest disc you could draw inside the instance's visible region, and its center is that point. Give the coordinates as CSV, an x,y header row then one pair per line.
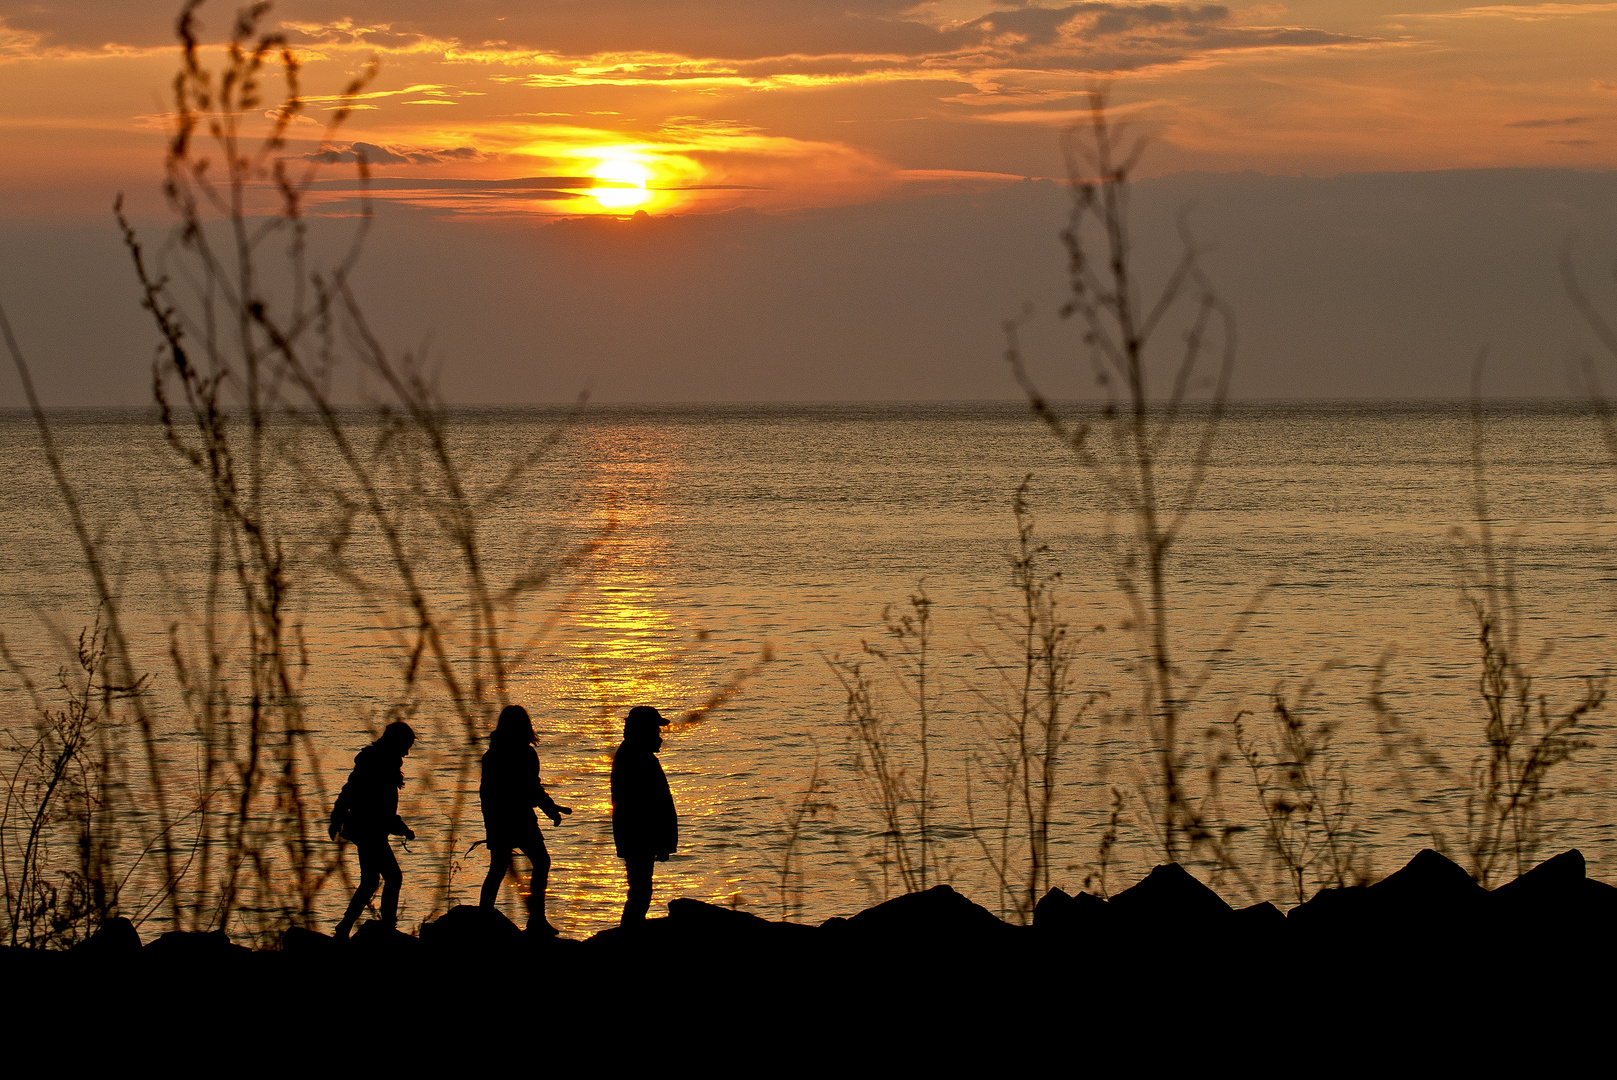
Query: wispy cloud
x,y
1517,12
663,41
397,155
1563,121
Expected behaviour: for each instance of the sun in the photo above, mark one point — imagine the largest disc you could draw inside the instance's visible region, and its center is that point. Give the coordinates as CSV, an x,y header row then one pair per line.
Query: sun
x,y
621,171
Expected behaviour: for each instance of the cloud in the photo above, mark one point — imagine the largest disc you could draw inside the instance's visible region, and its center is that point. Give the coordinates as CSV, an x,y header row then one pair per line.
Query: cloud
x,y
1517,12
396,155
667,40
517,183
1564,121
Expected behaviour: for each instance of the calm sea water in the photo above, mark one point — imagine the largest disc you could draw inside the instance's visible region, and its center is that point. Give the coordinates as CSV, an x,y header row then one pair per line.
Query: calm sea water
x,y
733,529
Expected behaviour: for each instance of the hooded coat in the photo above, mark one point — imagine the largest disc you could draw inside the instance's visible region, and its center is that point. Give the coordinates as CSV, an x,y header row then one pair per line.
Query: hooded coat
x,y
510,789
369,803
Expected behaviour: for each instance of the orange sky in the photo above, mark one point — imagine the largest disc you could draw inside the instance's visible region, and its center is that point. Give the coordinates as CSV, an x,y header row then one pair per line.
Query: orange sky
x,y
788,104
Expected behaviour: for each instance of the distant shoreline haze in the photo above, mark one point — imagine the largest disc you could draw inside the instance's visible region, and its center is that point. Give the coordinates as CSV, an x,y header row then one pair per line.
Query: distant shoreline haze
x,y
1361,287
919,409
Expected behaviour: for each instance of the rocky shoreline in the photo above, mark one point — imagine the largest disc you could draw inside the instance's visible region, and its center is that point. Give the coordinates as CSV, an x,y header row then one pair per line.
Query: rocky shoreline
x,y
1163,954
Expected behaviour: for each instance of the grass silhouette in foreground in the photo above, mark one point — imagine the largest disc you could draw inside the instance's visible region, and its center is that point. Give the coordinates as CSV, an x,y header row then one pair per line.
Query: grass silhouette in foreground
x,y
1164,358
254,329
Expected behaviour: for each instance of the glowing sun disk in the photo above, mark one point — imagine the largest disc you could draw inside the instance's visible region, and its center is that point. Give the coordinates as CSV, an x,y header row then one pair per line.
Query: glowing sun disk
x,y
621,171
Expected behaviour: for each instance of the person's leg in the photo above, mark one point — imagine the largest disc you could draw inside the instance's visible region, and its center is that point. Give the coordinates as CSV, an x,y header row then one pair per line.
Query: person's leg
x,y
499,861
639,899
369,877
533,846
392,880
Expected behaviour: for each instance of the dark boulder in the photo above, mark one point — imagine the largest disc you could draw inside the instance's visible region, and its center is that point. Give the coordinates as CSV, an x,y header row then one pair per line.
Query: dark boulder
x,y
195,947
687,916
1429,884
376,939
937,913
1168,899
115,938
1427,916
1555,900
470,930
1255,935
1062,915
1552,883
741,937
303,942
1262,918
1331,911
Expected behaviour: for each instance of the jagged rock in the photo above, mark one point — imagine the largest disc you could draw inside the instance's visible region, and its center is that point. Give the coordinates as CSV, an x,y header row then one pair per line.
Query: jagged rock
x,y
19,963
1598,903
301,941
706,934
1428,883
686,914
1169,896
1430,901
937,911
1556,899
1333,909
1262,918
1553,881
113,938
195,945
376,938
686,911
1065,915
471,929
716,926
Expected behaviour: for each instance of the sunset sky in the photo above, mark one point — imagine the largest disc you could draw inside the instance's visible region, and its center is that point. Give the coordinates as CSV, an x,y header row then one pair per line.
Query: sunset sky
x,y
798,103
525,111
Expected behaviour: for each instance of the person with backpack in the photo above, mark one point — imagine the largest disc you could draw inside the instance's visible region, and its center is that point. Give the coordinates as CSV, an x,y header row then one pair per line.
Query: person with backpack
x,y
509,791
366,814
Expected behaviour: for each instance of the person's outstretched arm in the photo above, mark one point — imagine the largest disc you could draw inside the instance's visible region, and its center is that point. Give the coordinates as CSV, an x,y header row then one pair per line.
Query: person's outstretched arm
x,y
547,805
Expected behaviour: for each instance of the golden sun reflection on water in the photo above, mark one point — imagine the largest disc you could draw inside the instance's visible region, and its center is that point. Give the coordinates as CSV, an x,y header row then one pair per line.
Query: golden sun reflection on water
x,y
629,640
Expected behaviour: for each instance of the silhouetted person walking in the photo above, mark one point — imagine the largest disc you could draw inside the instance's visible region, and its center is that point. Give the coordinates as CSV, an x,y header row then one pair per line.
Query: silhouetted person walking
x,y
366,814
509,792
644,825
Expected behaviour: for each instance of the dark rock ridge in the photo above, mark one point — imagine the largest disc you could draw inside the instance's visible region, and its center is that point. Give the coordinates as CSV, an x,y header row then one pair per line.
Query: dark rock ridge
x,y
1431,900
1424,942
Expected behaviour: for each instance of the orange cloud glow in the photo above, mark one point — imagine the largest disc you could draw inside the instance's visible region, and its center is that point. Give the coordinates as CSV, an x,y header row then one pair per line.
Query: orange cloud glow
x,y
801,103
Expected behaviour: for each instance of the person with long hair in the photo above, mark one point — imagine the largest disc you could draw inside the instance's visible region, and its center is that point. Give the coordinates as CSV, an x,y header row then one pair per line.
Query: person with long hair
x,y
366,814
645,828
509,791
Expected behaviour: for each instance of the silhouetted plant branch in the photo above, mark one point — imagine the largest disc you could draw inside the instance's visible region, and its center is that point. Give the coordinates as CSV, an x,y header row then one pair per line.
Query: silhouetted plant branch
x,y
1127,448
1524,738
59,792
1027,724
1304,795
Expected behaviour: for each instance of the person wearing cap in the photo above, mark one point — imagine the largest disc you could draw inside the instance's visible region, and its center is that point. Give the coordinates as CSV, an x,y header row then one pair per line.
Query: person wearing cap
x,y
366,814
644,825
509,791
